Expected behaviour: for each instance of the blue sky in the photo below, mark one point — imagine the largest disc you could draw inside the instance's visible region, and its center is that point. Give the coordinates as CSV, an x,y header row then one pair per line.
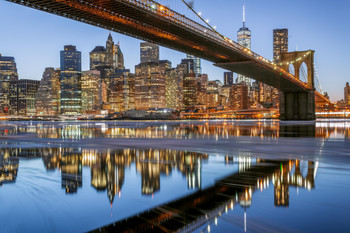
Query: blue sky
x,y
35,38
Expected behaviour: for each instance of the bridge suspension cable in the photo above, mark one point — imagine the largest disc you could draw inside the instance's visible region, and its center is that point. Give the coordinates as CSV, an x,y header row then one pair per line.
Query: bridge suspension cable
x,y
318,81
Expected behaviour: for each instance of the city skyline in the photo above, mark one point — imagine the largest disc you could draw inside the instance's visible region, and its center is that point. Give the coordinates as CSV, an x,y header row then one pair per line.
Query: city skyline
x,y
330,61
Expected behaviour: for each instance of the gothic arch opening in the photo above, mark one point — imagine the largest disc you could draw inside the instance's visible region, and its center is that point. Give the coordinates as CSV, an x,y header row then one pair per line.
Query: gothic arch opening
x,y
303,72
291,69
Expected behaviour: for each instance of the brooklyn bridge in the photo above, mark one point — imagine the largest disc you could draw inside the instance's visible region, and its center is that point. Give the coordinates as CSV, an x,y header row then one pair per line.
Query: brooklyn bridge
x,y
148,20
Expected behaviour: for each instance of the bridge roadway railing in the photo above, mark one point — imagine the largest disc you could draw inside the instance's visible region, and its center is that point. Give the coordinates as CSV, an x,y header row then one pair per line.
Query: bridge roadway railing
x,y
158,9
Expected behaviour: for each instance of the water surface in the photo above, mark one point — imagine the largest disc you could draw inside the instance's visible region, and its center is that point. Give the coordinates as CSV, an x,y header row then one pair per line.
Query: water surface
x,y
202,176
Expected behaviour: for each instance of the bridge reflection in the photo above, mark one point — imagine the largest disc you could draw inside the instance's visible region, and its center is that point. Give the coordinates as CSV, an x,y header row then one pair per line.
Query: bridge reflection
x,y
188,213
184,214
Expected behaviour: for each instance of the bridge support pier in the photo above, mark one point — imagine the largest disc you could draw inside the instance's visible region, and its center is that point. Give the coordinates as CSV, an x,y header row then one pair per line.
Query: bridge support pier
x,y
297,106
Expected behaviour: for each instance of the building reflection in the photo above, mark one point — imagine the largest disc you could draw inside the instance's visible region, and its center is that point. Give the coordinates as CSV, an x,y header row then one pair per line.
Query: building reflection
x,y
108,175
8,168
196,130
71,170
108,166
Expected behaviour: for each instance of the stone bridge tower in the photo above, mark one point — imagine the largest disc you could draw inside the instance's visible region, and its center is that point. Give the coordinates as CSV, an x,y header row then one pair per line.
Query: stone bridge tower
x,y
296,105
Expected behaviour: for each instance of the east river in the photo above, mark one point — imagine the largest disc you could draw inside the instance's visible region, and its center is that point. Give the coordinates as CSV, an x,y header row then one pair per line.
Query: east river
x,y
168,176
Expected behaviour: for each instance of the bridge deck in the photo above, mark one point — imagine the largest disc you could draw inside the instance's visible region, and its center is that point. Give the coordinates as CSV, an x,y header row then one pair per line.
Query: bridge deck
x,y
150,21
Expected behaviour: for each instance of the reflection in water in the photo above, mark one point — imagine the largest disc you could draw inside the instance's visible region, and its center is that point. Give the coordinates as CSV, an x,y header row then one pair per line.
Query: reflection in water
x,y
8,168
108,166
206,206
108,169
180,130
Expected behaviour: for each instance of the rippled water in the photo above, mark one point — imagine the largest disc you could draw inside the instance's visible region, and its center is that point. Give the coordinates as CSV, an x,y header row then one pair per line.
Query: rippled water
x,y
202,176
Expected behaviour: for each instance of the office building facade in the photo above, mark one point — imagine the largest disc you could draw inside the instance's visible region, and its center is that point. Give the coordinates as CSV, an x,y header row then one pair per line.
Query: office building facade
x,y
70,81
48,95
280,43
8,73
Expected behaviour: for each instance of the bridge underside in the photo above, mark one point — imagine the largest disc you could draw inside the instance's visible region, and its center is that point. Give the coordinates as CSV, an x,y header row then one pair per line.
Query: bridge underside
x,y
262,74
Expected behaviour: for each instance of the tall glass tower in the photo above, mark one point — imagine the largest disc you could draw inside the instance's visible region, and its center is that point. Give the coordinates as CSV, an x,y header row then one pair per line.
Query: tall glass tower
x,y
70,80
244,39
197,64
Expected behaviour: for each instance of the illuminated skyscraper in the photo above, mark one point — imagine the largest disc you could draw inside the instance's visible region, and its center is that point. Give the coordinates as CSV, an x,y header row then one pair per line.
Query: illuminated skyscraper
x,y
8,72
122,95
280,43
173,89
70,81
22,97
149,86
98,58
239,96
109,57
347,94
197,64
149,52
189,90
244,39
48,95
91,95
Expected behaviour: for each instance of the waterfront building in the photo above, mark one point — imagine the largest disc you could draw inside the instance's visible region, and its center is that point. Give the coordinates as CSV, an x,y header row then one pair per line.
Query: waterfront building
x,y
213,93
173,89
23,96
347,94
239,96
225,93
244,39
8,73
149,86
91,92
122,86
280,43
70,81
189,90
149,52
228,78
202,89
48,95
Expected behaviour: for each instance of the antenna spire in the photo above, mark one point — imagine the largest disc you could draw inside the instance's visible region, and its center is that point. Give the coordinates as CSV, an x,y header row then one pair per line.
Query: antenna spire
x,y
243,15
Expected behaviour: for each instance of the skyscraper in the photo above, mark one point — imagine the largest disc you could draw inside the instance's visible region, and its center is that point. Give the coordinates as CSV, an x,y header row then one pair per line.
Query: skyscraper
x,y
122,91
228,78
239,97
98,58
347,94
280,43
197,64
8,72
149,52
90,91
189,90
109,57
149,86
244,39
48,95
70,81
22,97
173,88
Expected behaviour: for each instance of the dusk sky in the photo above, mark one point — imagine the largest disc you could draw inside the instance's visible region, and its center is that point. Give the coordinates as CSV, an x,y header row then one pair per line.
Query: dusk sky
x,y
35,38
